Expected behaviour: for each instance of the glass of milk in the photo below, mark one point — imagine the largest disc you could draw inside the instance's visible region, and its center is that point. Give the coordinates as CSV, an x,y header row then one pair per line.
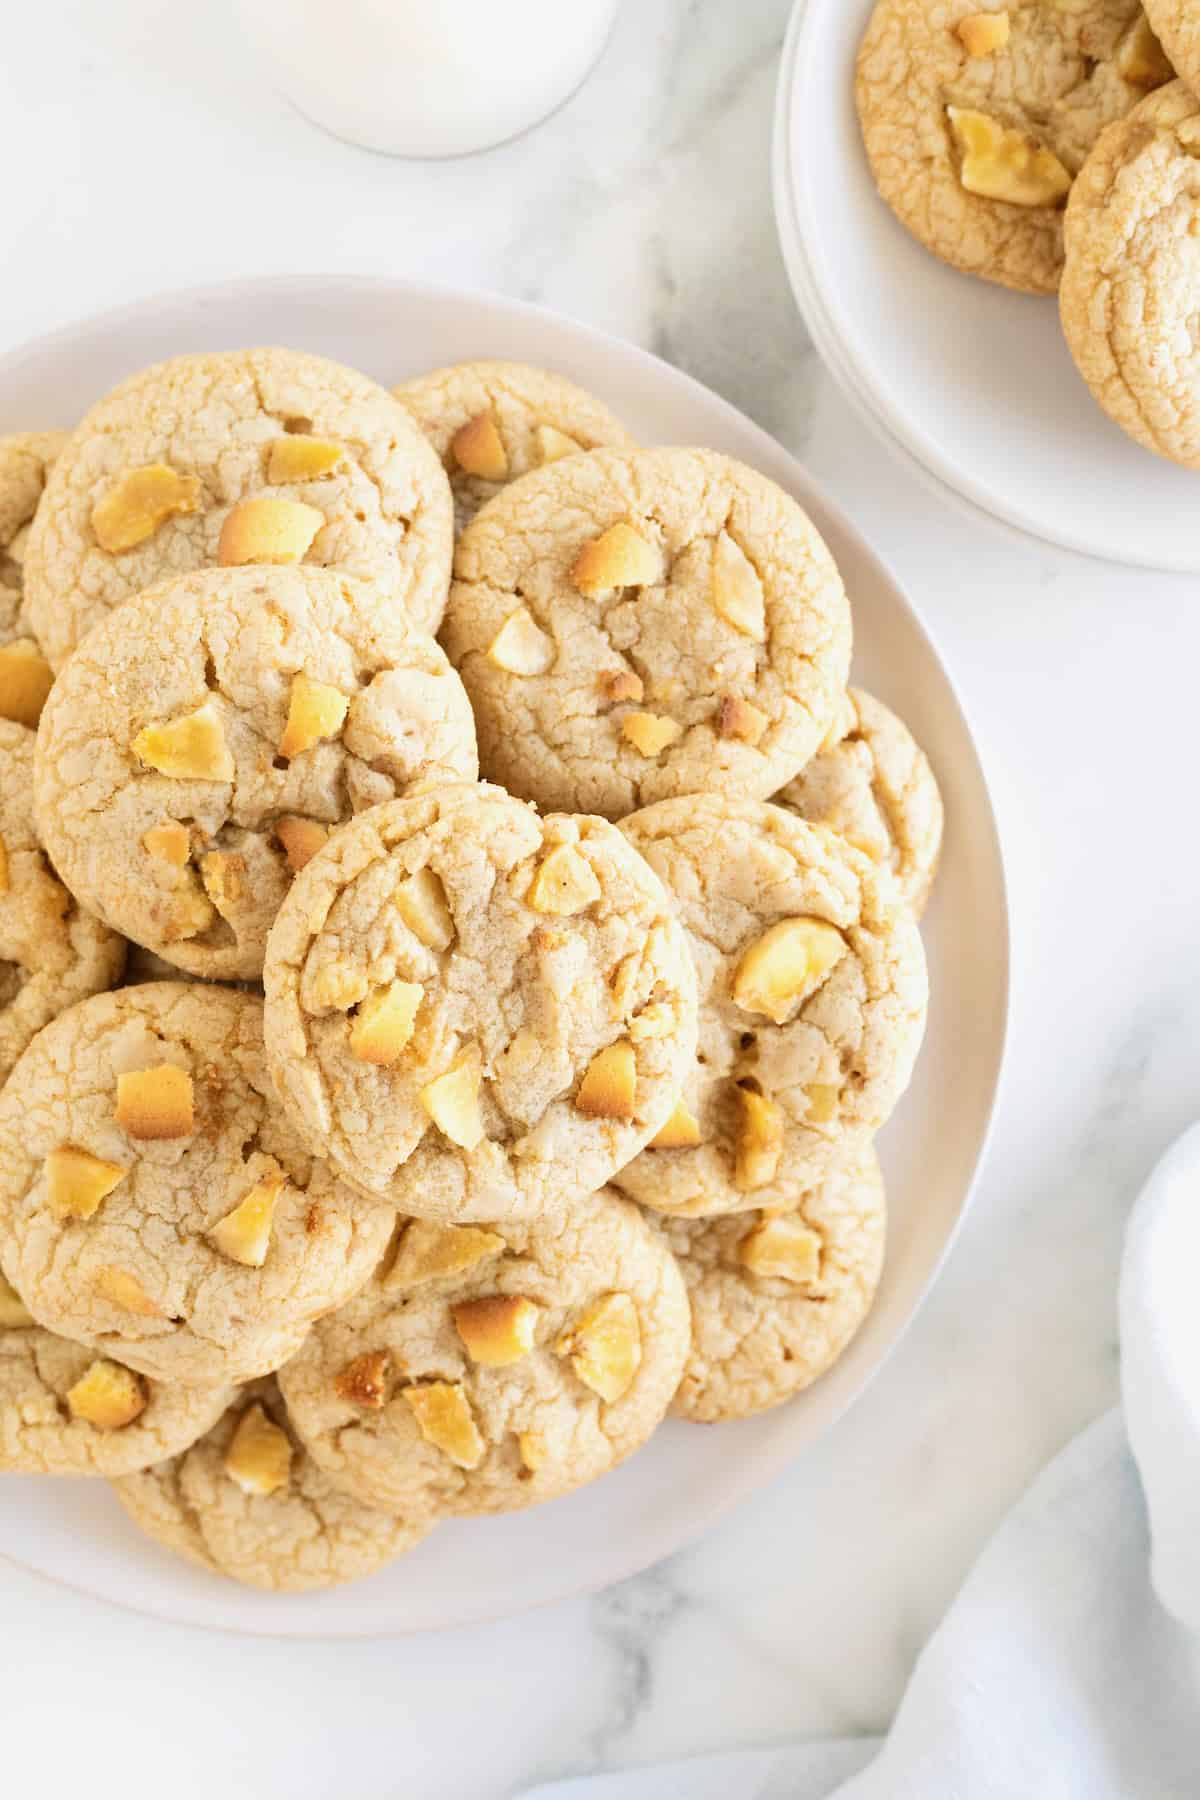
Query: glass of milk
x,y
428,77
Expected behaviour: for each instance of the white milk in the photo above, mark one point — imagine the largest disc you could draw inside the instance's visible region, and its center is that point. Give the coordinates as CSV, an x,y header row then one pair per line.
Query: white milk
x,y
428,77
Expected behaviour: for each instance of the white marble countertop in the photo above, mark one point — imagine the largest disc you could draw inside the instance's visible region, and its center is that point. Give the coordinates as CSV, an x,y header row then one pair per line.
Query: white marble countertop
x,y
142,150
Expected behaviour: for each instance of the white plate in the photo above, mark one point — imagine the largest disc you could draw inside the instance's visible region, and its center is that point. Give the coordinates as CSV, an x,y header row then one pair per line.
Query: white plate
x,y
971,383
74,1531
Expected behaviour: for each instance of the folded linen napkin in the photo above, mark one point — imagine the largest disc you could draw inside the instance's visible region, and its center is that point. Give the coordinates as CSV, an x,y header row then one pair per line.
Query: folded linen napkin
x,y
1068,1668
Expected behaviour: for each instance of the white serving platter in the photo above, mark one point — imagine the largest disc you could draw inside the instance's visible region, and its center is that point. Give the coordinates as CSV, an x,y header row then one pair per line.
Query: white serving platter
x,y
74,1531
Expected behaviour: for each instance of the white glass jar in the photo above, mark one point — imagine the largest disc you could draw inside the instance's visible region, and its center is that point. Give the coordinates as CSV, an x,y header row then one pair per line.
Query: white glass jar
x,y
428,77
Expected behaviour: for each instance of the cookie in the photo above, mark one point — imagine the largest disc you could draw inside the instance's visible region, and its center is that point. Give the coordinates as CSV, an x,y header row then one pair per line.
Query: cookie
x,y
776,1297
203,741
812,1004
632,626
52,952
1177,28
155,1205
871,783
247,1501
493,421
66,1411
977,118
25,674
491,1368
475,1012
26,458
236,457
1128,291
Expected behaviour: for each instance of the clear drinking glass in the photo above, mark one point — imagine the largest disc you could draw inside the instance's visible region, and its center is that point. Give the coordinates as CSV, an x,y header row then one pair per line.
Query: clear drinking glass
x,y
428,77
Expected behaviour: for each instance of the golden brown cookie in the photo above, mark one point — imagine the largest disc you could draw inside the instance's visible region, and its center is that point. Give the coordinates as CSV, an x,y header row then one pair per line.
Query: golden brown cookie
x,y
871,783
491,1368
52,951
234,457
1133,261
248,1501
1176,25
26,458
25,674
813,995
491,422
636,625
154,1203
977,117
203,742
776,1297
475,1012
64,1410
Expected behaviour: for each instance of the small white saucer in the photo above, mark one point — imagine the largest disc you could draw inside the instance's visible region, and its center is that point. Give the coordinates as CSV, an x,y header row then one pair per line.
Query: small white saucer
x,y
971,383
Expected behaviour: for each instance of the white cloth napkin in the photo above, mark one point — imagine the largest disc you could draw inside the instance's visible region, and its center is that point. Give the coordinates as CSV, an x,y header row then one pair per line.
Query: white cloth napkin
x,y
1067,1668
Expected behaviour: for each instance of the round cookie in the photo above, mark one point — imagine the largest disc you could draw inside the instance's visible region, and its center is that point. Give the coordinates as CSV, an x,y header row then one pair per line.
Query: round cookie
x,y
871,783
813,995
493,421
491,1368
25,675
152,476
776,1297
201,743
153,1202
977,117
52,952
66,1411
247,1501
631,626
1128,297
475,1012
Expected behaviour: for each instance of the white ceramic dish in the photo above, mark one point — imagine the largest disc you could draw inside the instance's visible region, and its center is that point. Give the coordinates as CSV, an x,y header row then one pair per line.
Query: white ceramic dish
x,y
75,1532
972,384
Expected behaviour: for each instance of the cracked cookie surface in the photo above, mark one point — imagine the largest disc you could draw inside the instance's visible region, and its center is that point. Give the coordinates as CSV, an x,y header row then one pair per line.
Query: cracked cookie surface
x,y
636,625
474,1011
873,785
25,674
188,847
813,996
1176,24
43,1431
154,1203
489,1369
52,952
1132,280
157,467
1045,78
491,422
263,1514
776,1298
25,459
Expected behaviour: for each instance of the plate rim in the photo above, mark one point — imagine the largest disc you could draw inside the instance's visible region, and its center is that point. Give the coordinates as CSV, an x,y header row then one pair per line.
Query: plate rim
x,y
891,427
658,1542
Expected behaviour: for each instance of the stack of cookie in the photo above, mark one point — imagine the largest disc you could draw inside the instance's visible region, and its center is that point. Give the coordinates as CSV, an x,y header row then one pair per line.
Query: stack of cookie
x,y
554,1109
1050,147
